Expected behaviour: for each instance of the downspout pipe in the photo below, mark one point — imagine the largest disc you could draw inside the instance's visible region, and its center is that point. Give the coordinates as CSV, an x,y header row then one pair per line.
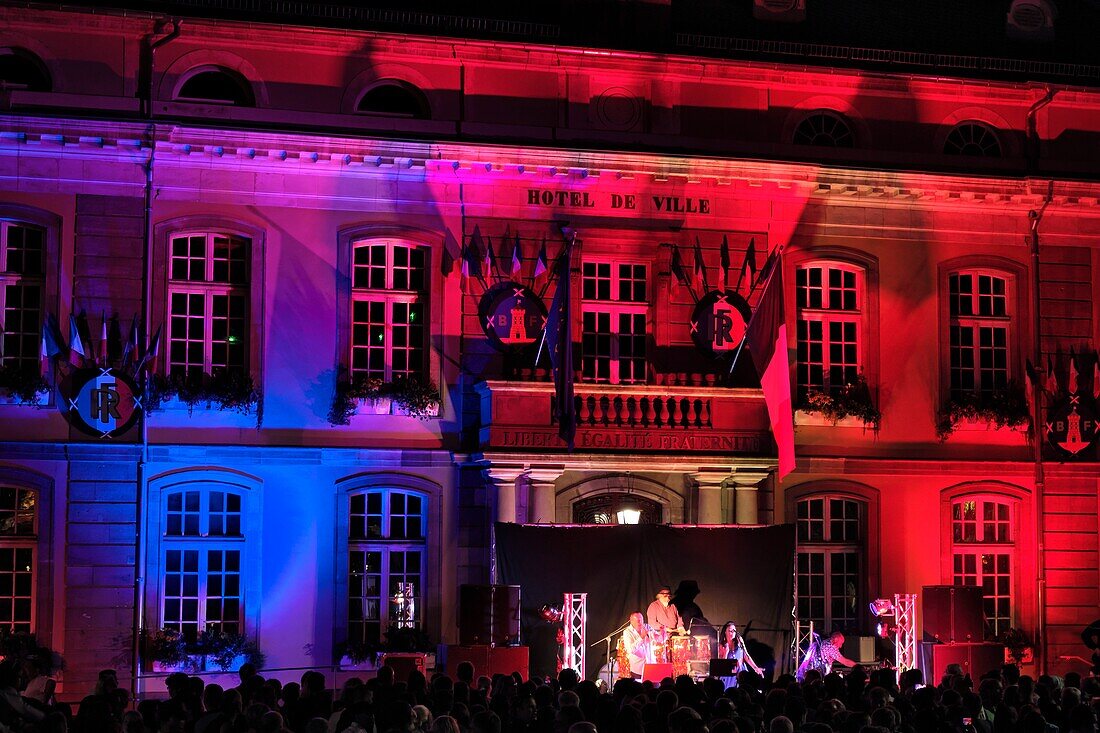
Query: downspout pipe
x,y
1035,218
1032,147
146,91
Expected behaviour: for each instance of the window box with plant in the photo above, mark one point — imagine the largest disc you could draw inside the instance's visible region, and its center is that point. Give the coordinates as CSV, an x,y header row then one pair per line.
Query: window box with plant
x,y
362,656
20,385
225,390
849,406
212,651
402,396
1004,408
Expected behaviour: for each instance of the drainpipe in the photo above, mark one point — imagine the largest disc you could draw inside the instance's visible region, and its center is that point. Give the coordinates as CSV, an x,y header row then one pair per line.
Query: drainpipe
x,y
149,140
1031,143
1035,218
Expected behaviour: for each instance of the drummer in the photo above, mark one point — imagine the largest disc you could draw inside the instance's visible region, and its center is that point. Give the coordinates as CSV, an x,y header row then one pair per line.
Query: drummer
x,y
662,615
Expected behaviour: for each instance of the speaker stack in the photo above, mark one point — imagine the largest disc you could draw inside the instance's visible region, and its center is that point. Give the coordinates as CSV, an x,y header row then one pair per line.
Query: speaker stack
x,y
954,631
488,631
488,614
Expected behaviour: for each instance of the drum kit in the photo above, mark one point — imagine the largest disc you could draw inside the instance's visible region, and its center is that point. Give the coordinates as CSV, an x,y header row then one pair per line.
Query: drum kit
x,y
688,655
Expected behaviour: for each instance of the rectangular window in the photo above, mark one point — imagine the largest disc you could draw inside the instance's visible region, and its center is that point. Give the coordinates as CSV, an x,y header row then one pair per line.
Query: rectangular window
x,y
829,569
22,282
386,551
16,587
202,555
829,322
613,322
981,532
208,311
388,319
202,591
979,337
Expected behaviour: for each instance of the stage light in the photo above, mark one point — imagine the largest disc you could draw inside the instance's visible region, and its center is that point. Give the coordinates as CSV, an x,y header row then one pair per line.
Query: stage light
x,y
882,607
628,516
883,630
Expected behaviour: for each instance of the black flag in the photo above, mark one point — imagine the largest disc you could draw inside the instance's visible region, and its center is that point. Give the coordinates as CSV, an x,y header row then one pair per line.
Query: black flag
x,y
725,255
678,266
749,263
559,340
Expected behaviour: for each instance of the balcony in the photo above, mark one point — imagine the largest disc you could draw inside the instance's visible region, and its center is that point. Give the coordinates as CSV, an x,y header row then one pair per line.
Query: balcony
x,y
520,416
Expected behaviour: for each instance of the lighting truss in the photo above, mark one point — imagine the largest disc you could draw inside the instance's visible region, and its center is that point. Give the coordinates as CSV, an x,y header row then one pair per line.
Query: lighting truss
x,y
575,623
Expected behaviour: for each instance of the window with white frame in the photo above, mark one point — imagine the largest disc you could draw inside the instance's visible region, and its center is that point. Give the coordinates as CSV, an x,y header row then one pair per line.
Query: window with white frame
x,y
203,548
22,282
830,313
208,303
18,539
614,311
980,332
982,542
388,309
830,569
387,553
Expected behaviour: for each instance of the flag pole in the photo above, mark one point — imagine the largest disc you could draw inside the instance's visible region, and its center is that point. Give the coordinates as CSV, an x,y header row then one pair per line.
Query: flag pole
x,y
756,281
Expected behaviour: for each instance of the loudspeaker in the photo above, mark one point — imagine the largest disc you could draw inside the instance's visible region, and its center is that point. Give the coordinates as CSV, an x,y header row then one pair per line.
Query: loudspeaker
x,y
488,660
404,664
860,649
488,614
953,613
975,659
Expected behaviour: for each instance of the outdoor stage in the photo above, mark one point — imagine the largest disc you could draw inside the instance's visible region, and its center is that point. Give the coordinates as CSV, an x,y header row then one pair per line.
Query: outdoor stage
x,y
745,575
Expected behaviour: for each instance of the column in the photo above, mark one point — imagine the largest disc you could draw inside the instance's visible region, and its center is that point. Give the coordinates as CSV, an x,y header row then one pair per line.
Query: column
x,y
504,479
710,496
541,504
747,491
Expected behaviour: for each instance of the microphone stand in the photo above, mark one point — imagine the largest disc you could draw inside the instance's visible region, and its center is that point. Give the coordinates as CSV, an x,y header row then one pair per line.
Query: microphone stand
x,y
607,640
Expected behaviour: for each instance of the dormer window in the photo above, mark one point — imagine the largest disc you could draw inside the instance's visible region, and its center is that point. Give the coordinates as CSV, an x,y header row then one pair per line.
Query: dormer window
x,y
972,138
394,99
20,69
215,85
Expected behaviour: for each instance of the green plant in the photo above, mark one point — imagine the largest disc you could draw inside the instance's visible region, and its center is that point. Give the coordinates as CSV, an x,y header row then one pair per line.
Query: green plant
x,y
22,384
23,647
852,400
170,648
1004,408
226,389
222,648
418,398
1017,642
397,639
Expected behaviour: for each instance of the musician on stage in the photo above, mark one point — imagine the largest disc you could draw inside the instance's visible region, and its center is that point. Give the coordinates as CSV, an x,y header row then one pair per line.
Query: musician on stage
x,y
662,615
821,655
731,645
637,645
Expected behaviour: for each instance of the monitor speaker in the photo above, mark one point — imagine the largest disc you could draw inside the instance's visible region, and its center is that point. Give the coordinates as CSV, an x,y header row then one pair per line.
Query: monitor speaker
x,y
952,613
488,614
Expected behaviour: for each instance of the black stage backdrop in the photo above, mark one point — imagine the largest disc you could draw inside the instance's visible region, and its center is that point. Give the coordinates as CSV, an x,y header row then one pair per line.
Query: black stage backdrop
x,y
746,575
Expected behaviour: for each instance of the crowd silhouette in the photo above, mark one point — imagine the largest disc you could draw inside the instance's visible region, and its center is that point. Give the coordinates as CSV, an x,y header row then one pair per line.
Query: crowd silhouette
x,y
863,701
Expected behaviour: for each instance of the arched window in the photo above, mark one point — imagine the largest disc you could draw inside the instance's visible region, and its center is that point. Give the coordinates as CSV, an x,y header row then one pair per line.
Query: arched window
x,y
18,544
980,342
824,128
22,293
830,297
20,69
387,561
391,98
983,548
202,563
831,572
208,302
389,292
972,138
617,507
614,314
217,85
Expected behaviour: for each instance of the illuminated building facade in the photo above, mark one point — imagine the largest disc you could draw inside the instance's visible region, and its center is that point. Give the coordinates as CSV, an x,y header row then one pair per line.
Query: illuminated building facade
x,y
308,207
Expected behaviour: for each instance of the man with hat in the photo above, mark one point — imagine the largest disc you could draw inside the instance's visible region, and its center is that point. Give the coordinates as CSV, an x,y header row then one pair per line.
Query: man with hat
x,y
662,615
